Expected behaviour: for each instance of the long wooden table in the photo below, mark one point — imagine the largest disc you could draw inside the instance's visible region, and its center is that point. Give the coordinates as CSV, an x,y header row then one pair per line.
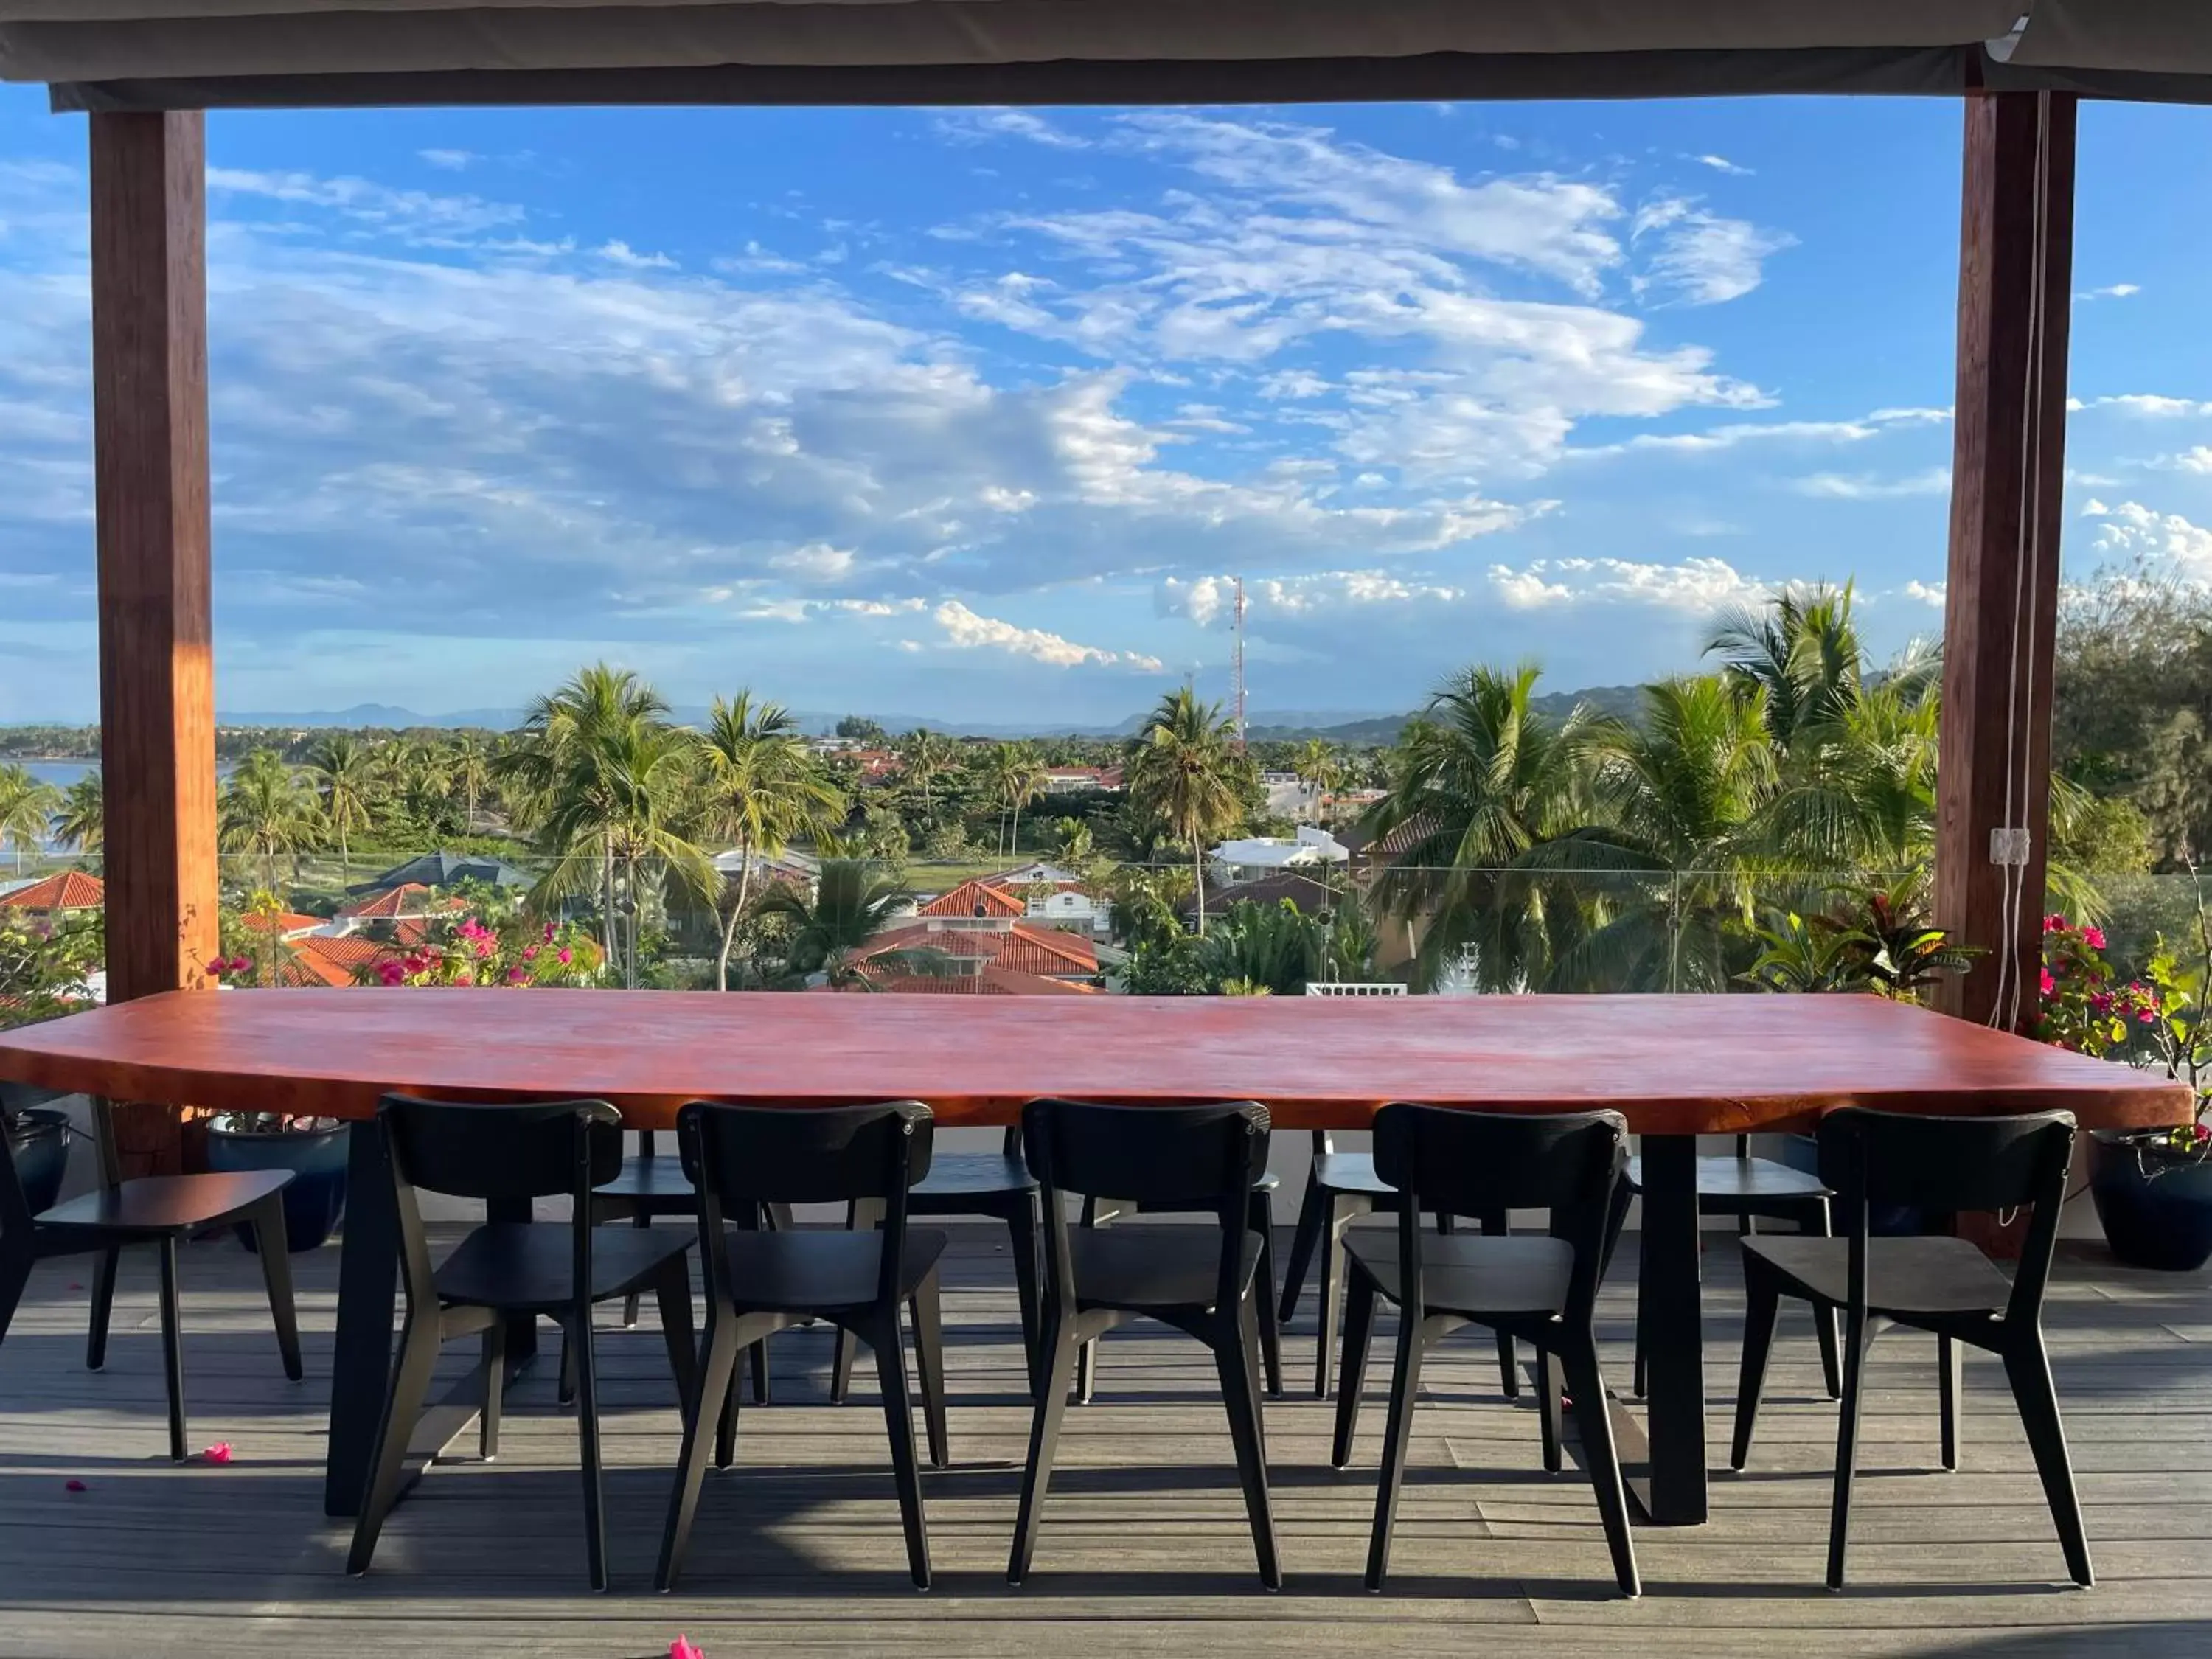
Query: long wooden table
x,y
1676,1067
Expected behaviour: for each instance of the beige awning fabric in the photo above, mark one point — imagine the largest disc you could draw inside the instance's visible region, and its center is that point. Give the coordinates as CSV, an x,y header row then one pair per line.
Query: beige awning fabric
x,y
181,53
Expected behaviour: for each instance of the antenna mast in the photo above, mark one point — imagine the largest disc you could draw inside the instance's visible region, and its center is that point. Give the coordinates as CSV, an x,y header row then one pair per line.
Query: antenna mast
x,y
1239,664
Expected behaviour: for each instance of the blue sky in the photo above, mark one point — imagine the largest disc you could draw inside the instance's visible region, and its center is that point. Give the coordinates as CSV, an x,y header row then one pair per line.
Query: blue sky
x,y
971,415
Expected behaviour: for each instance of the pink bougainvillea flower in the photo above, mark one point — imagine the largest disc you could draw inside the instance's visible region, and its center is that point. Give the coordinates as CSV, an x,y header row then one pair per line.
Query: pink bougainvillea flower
x,y
74,1486
2148,1017
530,953
548,939
2093,937
684,1648
218,1453
2054,924
391,972
2050,984
464,977
564,955
239,964
517,975
2204,1132
218,965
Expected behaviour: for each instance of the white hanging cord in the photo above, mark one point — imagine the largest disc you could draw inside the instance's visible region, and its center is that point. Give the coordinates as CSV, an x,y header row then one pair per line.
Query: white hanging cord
x,y
2019,679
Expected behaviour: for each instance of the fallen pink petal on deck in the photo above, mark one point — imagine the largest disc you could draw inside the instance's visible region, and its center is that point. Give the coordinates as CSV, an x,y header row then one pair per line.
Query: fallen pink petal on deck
x,y
684,1648
218,1453
73,1486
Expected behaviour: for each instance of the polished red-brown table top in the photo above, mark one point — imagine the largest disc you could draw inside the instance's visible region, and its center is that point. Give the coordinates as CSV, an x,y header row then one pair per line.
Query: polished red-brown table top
x,y
1674,1064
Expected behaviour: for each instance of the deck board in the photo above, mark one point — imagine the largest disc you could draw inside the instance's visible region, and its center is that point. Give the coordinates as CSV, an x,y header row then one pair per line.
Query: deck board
x,y
1144,1549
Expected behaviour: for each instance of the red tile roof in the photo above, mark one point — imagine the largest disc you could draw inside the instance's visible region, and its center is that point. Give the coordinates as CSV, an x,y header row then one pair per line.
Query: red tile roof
x,y
965,899
66,889
284,922
1024,950
993,981
316,960
410,898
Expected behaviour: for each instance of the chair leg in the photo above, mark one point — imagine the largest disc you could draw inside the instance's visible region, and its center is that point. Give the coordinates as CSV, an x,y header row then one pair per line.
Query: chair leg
x,y
1313,1215
726,1422
1847,1446
1044,1442
716,1381
928,1307
1949,1376
1351,1376
1550,1413
1497,1225
1021,1239
2027,1367
403,1404
173,1350
1594,1424
758,1364
587,1445
270,1243
898,1418
1405,1384
103,1302
495,1389
1826,1322
564,1392
1329,1291
15,1274
1762,1307
1240,1395
672,1294
643,1218
1262,1221
859,1213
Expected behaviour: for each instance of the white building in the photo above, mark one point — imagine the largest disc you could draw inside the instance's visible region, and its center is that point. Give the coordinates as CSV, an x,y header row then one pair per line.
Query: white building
x,y
1312,850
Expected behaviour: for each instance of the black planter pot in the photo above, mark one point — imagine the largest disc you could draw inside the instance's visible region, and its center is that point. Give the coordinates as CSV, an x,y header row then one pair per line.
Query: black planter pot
x,y
38,1142
2156,1207
315,1201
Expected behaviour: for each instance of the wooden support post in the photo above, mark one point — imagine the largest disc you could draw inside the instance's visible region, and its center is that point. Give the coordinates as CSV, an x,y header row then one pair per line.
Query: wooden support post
x,y
156,678
2001,604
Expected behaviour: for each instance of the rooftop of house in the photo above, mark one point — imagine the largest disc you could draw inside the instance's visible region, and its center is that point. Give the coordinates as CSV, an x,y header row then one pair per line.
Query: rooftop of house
x,y
1049,950
993,980
1309,895
974,898
283,924
410,899
66,889
1310,846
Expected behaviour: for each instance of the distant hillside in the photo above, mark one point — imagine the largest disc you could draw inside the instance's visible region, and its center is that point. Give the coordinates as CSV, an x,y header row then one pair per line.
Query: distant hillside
x,y
1622,702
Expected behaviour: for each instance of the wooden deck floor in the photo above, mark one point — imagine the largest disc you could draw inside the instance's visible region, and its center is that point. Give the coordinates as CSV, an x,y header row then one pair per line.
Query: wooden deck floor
x,y
1144,1549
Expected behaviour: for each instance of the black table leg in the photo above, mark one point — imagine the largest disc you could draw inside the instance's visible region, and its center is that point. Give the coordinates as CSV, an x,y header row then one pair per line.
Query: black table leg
x,y
1672,1488
369,1276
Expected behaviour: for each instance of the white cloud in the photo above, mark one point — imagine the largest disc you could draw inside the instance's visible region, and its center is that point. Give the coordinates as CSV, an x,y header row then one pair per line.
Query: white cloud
x,y
2198,460
413,214
1209,600
1722,164
1697,257
1697,585
817,561
2111,291
1928,594
975,126
2137,531
1866,487
2150,405
964,628
450,161
622,254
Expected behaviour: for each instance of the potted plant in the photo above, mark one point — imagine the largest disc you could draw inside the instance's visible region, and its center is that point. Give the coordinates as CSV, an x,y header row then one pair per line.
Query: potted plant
x,y
44,972
2151,1188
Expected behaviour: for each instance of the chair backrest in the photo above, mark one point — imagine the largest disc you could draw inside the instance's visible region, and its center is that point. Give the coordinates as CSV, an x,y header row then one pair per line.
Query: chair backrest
x,y
742,1157
1463,1162
1164,1157
1879,1159
503,1154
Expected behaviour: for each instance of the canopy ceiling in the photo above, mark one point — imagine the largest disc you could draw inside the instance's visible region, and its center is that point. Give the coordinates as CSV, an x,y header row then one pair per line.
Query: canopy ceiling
x,y
145,54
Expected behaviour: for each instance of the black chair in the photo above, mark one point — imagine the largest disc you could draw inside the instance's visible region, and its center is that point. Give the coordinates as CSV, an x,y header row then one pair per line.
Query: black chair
x,y
646,1188
995,1184
1750,1188
560,1269
1940,1285
1341,1188
761,1280
156,1210
1540,1289
1202,1281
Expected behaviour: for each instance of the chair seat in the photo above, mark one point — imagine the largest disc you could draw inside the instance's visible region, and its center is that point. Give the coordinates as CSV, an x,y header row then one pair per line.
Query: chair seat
x,y
1351,1172
972,1175
650,1181
1148,1267
1743,1181
1904,1275
167,1204
807,1271
525,1266
1516,1273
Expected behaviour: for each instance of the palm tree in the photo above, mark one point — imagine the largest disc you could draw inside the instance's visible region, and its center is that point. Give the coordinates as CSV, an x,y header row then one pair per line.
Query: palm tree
x,y
343,771
1480,788
27,806
1185,773
82,819
1801,652
1319,769
1072,848
760,786
851,903
925,757
1017,777
600,775
267,810
468,769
